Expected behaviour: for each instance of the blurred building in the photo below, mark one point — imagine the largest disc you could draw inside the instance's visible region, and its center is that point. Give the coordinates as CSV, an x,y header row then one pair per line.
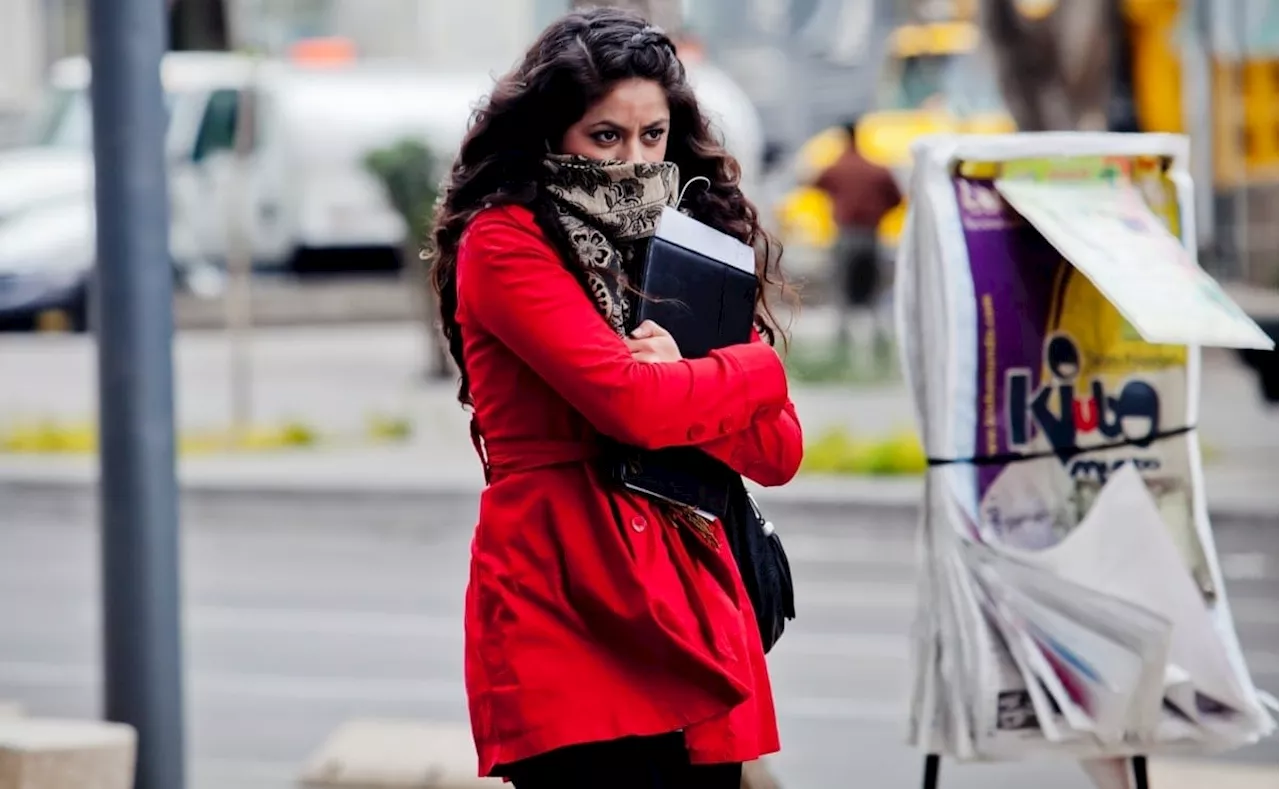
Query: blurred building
x,y
805,62
438,33
1203,67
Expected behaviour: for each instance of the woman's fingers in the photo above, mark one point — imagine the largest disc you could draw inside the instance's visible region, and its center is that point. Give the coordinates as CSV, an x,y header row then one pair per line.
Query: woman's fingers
x,y
649,329
642,350
657,348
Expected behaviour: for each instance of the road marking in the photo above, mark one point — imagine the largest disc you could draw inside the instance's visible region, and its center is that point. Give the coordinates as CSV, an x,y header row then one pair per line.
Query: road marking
x,y
279,687
822,597
358,625
323,622
853,550
349,690
896,600
1262,664
239,770
871,595
1252,566
836,708
277,621
1253,611
854,646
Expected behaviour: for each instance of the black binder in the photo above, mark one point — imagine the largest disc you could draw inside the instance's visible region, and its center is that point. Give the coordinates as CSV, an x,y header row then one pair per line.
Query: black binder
x,y
700,285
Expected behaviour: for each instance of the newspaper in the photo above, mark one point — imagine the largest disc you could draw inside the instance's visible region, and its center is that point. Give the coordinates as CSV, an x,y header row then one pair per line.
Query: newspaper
x,y
1134,259
1061,437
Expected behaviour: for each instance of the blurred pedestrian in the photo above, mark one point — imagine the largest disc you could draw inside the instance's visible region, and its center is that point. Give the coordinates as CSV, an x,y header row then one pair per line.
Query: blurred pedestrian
x,y
610,641
862,193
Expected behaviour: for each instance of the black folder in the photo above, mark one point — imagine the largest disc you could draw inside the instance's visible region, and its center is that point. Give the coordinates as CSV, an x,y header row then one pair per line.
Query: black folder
x,y
700,285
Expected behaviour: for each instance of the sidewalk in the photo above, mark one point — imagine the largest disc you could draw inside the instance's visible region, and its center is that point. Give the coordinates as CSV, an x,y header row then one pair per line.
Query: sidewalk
x,y
422,469
335,379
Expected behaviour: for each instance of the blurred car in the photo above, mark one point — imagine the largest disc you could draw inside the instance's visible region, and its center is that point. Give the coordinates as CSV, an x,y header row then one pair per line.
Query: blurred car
x,y
47,221
45,266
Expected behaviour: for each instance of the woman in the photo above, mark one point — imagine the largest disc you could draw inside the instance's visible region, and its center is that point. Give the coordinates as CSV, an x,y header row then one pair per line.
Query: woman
x,y
609,643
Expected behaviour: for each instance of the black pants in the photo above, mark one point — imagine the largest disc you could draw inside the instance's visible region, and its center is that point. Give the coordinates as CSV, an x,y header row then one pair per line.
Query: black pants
x,y
857,258
660,762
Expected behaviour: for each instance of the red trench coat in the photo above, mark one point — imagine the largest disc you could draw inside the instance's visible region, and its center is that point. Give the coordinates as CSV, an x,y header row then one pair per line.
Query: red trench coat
x,y
587,616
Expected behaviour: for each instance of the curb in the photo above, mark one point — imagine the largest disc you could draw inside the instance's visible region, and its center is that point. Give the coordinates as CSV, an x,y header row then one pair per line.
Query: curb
x,y
889,507
314,477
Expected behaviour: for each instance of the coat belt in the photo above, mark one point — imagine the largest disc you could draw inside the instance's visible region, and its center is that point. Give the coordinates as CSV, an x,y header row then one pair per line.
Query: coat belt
x,y
516,455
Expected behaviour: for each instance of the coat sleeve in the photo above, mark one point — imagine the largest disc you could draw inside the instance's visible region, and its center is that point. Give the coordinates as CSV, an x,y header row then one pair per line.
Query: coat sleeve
x,y
513,283
768,451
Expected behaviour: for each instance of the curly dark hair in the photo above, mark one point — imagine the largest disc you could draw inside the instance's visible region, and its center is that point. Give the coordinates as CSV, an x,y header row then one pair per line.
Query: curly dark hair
x,y
573,64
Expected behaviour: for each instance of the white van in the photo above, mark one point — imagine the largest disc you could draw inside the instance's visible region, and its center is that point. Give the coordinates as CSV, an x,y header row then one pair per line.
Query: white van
x,y
309,193
47,228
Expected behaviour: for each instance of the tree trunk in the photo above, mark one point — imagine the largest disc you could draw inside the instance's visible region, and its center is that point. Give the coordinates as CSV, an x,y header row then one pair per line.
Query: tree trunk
x,y
1055,72
666,14
198,25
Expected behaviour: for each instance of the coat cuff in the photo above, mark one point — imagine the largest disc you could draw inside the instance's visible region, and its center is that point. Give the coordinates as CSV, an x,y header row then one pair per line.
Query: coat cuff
x,y
762,383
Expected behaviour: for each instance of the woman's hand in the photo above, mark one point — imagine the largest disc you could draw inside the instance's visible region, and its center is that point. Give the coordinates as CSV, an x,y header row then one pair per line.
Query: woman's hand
x,y
651,343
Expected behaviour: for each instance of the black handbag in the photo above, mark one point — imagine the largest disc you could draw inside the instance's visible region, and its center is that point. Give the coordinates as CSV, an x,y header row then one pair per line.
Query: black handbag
x,y
762,562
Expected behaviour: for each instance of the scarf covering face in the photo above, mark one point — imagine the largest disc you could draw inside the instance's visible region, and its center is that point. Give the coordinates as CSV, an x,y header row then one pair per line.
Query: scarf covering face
x,y
605,210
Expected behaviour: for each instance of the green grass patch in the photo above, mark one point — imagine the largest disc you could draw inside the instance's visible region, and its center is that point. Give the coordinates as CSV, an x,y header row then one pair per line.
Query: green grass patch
x,y
60,437
837,451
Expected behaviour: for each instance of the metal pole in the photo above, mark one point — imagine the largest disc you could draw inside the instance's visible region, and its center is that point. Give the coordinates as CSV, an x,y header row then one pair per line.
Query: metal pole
x,y
1140,780
1197,118
239,294
932,766
134,300
1240,32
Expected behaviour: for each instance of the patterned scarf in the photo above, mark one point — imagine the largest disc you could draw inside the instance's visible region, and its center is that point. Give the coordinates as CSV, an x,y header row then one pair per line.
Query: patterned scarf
x,y
607,210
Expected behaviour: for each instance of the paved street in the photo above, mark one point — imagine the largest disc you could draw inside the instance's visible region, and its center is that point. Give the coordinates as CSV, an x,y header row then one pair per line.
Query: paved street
x,y
302,612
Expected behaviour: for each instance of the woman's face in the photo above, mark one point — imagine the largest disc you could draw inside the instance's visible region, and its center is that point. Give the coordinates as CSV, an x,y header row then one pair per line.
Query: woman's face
x,y
630,123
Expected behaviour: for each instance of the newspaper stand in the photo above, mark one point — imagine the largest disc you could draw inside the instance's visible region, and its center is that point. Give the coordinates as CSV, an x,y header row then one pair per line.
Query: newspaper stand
x,y
1033,268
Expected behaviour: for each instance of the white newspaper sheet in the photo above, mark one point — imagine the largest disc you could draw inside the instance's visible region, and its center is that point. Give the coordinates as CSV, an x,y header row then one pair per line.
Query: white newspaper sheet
x,y
1110,235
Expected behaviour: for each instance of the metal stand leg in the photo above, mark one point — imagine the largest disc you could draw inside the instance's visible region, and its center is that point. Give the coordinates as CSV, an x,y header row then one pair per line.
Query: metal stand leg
x,y
931,764
1140,773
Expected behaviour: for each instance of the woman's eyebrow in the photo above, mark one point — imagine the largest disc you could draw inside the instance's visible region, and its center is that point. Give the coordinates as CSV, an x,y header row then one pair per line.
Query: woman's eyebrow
x,y
605,123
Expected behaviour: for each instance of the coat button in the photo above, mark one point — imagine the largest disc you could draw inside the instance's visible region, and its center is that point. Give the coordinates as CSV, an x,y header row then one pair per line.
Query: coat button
x,y
696,432
638,523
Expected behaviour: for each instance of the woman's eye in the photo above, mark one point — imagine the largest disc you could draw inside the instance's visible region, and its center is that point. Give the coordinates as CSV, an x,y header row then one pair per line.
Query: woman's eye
x,y
655,134
605,137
